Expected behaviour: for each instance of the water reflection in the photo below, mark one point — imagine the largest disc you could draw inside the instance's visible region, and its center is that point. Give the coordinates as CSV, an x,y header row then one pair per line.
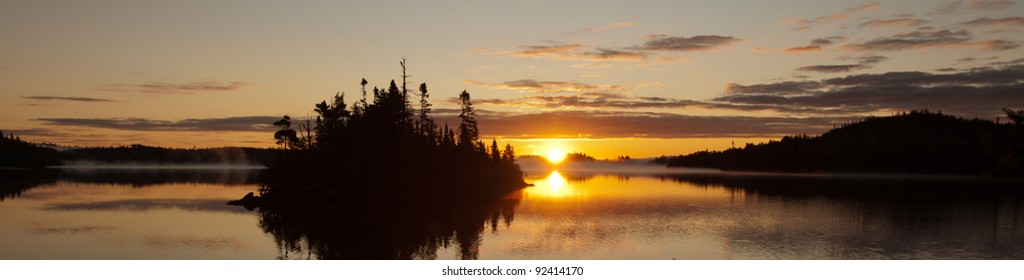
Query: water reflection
x,y
760,216
554,185
180,214
128,214
393,228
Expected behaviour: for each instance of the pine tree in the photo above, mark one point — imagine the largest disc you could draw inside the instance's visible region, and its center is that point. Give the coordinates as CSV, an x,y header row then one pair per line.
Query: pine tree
x,y
468,132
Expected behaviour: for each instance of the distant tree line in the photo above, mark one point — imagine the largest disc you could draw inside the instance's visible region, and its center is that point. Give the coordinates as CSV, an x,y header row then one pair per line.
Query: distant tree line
x,y
15,153
21,154
381,145
919,142
142,154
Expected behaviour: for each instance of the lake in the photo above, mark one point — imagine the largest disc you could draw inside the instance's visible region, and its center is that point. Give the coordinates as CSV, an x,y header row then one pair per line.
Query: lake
x,y
181,213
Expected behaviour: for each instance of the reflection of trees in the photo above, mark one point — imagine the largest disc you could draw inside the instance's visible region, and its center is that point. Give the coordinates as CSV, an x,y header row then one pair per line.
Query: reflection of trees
x,y
866,188
154,176
887,217
386,228
15,182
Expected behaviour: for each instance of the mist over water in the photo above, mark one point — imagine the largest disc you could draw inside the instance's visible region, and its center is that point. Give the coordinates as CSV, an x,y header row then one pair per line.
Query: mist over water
x,y
91,165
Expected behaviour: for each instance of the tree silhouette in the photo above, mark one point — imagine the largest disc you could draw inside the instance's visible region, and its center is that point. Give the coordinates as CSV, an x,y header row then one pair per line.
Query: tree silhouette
x,y
468,132
381,149
21,154
286,136
1016,116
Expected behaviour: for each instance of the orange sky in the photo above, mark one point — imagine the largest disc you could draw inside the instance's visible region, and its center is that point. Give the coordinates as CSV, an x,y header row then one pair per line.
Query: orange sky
x,y
606,78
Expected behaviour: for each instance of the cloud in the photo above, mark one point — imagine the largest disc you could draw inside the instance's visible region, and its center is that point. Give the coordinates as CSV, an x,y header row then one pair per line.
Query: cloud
x,y
620,124
622,24
535,86
68,98
611,54
640,52
864,63
575,51
935,39
554,50
1011,62
865,7
975,92
183,88
589,100
816,44
805,24
247,123
897,22
682,43
1007,21
810,48
835,68
780,88
993,5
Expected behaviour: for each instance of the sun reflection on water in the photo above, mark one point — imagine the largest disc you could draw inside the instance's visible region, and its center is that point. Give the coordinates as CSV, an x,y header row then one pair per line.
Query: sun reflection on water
x,y
554,185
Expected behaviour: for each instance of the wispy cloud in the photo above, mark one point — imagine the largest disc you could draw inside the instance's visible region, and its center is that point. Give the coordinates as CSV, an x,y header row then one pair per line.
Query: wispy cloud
x,y
682,43
535,86
644,51
1006,21
589,100
934,39
816,44
803,49
174,88
834,18
574,52
1005,63
552,50
68,98
992,5
622,24
618,124
896,22
611,54
863,63
248,123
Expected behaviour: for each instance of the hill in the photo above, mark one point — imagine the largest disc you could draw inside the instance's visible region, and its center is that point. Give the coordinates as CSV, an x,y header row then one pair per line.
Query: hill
x,y
919,142
15,153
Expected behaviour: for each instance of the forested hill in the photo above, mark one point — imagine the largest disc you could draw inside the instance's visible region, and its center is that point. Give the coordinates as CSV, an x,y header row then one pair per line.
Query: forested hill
x,y
15,153
140,154
915,142
20,154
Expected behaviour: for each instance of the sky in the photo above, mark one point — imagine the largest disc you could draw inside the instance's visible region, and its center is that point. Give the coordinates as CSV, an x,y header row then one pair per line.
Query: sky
x,y
634,78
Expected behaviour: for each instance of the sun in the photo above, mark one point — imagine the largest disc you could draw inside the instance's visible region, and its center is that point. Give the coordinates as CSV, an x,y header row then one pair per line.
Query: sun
x,y
555,155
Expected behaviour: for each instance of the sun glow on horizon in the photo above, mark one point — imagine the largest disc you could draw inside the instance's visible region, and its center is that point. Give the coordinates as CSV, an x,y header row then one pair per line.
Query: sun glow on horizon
x,y
555,155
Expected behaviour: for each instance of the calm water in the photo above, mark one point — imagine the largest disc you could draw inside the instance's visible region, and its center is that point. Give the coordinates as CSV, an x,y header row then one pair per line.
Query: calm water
x,y
181,214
